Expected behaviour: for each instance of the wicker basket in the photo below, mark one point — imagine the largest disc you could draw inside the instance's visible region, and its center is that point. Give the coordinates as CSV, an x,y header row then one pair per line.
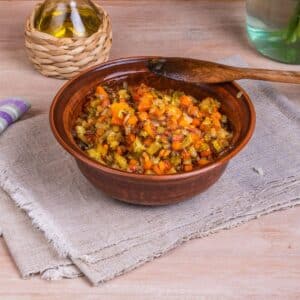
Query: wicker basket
x,y
63,58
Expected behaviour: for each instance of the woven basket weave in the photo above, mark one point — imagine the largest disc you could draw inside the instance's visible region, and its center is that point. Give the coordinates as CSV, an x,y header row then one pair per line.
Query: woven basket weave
x,y
64,58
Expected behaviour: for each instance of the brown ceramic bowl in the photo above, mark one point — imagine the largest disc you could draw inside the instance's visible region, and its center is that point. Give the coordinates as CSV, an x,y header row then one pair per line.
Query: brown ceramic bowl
x,y
148,189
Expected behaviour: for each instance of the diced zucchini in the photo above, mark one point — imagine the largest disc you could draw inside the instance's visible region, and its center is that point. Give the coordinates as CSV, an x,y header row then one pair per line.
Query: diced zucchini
x,y
80,130
188,140
176,97
154,148
193,151
123,94
160,130
102,150
203,147
207,121
121,161
138,147
213,132
217,146
113,139
143,133
93,153
175,160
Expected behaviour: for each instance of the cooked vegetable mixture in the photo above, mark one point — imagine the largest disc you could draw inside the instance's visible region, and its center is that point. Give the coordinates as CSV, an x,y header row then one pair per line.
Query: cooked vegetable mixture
x,y
141,130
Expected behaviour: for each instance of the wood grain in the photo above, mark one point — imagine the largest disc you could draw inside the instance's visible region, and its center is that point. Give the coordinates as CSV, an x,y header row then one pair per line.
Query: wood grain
x,y
259,260
195,71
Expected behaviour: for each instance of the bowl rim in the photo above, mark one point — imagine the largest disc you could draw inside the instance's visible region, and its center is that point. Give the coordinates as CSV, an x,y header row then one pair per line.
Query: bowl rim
x,y
144,177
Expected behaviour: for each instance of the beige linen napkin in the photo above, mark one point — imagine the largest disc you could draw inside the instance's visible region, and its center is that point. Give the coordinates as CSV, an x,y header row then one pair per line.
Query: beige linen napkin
x,y
28,246
105,238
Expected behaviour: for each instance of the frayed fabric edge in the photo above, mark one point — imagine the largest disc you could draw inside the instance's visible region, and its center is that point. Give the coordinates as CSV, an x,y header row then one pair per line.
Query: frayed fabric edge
x,y
39,218
56,273
61,272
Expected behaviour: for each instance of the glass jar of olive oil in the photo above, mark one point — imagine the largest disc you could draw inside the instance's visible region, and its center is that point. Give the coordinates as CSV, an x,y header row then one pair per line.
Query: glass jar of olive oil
x,y
68,18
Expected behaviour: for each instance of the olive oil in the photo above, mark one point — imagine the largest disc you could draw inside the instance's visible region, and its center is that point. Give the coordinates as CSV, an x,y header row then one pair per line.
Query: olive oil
x,y
68,18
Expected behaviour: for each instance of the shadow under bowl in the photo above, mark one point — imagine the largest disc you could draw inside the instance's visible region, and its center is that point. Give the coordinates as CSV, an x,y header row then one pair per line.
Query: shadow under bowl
x,y
148,189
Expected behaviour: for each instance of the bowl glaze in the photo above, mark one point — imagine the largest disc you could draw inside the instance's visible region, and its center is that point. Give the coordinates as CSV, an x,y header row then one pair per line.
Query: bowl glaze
x,y
148,189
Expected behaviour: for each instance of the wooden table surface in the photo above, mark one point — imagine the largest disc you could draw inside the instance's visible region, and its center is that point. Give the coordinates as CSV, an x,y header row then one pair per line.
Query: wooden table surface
x,y
258,260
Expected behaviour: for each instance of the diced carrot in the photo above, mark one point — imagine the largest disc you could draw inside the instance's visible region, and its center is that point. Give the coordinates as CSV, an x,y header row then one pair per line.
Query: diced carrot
x,y
183,122
162,166
157,112
133,162
101,91
196,137
203,161
196,122
105,102
157,170
172,124
148,128
164,153
145,102
185,154
205,153
204,127
148,141
138,92
216,115
176,145
185,101
168,165
143,116
117,107
135,96
130,138
193,111
161,153
132,120
116,121
200,114
216,124
147,164
198,144
116,110
188,168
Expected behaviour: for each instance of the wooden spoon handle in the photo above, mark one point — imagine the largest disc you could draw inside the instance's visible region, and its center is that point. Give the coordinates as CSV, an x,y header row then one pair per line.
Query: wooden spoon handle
x,y
193,70
268,75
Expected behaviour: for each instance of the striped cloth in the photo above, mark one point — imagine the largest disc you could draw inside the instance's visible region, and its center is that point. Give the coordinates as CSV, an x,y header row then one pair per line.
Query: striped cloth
x,y
10,111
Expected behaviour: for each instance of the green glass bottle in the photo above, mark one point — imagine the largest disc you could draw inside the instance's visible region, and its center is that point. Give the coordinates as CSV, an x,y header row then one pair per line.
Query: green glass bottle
x,y
68,18
274,28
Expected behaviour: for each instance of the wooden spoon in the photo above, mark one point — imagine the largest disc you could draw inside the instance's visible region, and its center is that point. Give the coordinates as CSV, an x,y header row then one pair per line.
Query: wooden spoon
x,y
192,70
